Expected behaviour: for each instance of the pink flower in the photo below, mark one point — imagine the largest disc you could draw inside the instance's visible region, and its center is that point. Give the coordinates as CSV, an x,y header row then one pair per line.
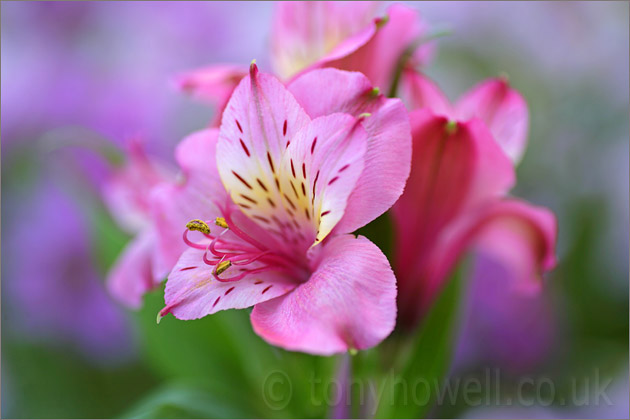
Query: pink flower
x,y
127,196
375,50
296,170
456,195
344,35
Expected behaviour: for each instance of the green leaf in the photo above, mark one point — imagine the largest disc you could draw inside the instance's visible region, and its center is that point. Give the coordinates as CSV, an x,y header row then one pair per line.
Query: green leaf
x,y
223,348
187,400
211,347
409,392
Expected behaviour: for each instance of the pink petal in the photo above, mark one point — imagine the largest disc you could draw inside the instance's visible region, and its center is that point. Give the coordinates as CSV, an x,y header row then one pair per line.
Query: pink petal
x,y
320,169
379,56
348,303
263,129
175,204
192,292
131,276
213,85
418,91
305,33
126,192
388,155
503,109
196,156
494,175
454,170
259,120
521,236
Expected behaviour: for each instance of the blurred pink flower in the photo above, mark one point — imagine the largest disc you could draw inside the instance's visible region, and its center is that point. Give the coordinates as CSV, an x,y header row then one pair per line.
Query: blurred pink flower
x,y
290,163
344,35
456,199
127,195
308,35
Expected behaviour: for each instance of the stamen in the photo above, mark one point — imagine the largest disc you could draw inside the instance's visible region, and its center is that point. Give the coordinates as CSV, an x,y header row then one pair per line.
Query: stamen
x,y
198,225
220,221
222,266
191,243
240,261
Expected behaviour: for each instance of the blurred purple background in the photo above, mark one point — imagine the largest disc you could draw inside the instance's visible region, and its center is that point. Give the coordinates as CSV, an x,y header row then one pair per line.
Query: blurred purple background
x,y
94,74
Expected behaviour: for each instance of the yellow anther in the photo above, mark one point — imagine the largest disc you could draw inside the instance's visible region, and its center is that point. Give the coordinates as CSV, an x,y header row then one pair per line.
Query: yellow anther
x,y
222,266
364,115
375,91
220,221
198,225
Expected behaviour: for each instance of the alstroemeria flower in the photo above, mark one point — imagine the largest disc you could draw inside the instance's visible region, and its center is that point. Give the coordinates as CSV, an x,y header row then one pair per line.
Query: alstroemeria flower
x,y
347,36
296,170
455,200
344,35
127,196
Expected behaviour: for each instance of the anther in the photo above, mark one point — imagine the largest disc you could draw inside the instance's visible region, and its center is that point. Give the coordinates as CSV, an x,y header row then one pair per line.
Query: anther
x,y
222,266
375,92
198,225
220,221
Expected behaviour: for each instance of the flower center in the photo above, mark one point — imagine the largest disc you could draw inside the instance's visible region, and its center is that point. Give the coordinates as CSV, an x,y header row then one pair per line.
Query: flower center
x,y
234,254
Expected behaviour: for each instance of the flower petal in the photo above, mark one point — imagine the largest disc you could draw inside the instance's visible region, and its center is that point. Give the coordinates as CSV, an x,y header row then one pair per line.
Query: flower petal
x,y
379,57
304,33
192,291
348,303
175,204
418,92
321,166
522,237
126,192
213,85
451,172
455,169
260,120
131,276
388,155
504,111
516,233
